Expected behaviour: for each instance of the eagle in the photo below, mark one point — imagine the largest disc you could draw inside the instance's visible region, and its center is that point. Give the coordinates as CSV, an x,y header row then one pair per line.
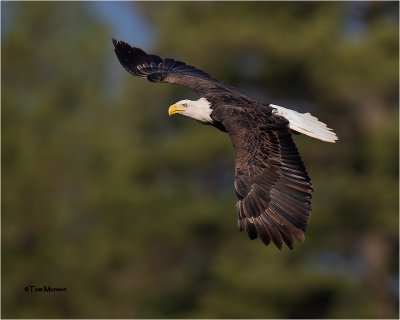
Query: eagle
x,y
272,185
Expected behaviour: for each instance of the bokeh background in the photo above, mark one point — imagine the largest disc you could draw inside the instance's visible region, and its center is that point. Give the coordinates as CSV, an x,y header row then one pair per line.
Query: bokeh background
x,y
134,212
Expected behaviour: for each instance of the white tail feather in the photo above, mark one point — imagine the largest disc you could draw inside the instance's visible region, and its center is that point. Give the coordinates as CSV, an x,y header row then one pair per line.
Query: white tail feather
x,y
307,124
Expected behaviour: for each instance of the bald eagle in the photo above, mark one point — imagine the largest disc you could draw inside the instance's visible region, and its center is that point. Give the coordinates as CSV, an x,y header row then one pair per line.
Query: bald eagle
x,y
271,181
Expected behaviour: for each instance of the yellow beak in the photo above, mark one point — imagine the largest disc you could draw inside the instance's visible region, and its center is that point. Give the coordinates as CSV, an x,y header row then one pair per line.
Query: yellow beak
x,y
174,109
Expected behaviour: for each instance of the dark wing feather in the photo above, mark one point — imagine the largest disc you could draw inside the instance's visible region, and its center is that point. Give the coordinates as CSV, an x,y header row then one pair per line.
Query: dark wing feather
x,y
156,69
271,182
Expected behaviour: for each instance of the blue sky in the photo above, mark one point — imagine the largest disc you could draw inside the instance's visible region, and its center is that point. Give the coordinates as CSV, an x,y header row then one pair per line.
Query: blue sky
x,y
126,21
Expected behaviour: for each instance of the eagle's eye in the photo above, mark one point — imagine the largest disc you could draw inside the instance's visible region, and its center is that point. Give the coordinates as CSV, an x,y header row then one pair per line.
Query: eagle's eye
x,y
184,105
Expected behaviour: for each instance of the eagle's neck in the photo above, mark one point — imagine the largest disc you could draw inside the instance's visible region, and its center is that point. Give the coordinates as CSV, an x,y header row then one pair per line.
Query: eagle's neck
x,y
199,110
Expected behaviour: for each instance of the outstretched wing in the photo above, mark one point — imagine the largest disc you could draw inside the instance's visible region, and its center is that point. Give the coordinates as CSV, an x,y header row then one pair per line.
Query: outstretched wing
x,y
156,69
271,182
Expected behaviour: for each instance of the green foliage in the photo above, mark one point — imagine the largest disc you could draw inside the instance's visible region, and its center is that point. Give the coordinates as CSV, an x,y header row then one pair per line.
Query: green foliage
x,y
134,212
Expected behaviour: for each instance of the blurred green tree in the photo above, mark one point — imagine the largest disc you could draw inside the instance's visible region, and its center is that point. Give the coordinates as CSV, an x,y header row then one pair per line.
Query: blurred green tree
x,y
134,213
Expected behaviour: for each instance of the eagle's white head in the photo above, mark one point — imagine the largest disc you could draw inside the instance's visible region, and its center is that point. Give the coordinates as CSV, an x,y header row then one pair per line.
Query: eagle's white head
x,y
199,110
